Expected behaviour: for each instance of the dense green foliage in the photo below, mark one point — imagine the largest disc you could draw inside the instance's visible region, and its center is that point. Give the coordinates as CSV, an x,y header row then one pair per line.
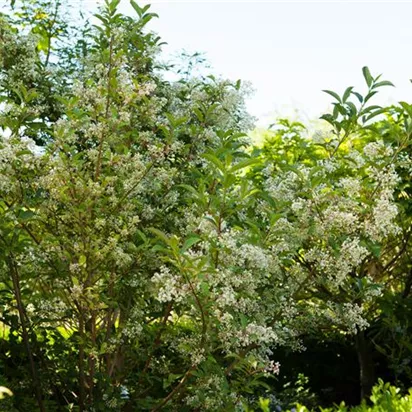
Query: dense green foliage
x,y
384,398
152,258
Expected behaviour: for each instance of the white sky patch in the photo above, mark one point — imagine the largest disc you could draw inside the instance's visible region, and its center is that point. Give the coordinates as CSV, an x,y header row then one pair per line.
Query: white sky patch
x,y
291,50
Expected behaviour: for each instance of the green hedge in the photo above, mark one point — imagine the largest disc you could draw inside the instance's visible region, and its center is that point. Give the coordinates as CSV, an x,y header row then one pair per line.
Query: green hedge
x,y
384,398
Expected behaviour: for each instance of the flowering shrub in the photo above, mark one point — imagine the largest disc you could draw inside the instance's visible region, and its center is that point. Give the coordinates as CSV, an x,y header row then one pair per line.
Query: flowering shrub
x,y
149,259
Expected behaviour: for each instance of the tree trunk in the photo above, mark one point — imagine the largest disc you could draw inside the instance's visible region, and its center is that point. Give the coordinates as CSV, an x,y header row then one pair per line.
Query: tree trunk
x,y
366,365
82,374
26,340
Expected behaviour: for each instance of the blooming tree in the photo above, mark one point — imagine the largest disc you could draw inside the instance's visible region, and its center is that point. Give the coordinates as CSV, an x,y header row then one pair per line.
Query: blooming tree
x,y
150,260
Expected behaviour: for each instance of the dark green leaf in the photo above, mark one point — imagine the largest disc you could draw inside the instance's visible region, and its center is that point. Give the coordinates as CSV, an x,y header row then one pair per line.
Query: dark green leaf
x,y
333,94
369,96
335,112
26,215
367,75
352,108
329,118
359,96
189,243
347,94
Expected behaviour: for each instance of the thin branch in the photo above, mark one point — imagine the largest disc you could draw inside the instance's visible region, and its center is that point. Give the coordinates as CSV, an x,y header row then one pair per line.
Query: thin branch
x,y
177,388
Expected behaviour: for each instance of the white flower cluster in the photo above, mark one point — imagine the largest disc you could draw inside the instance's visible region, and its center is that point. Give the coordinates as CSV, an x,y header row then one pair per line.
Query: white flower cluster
x,y
382,219
349,315
169,285
17,156
209,395
337,268
282,188
255,333
376,150
273,367
351,185
334,218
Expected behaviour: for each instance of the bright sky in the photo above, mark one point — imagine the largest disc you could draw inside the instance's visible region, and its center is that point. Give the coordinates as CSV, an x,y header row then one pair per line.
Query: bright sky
x,y
291,50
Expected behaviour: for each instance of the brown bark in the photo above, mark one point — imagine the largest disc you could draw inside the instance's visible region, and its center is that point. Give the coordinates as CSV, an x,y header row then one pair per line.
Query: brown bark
x,y
366,365
23,322
92,335
82,374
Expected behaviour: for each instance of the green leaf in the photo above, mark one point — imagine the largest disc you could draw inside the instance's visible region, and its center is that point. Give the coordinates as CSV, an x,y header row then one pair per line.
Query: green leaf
x,y
369,96
3,390
170,379
189,188
205,288
101,18
23,152
141,235
370,108
189,243
146,18
367,75
383,83
213,159
407,107
243,320
26,215
82,260
335,112
113,5
145,8
333,94
160,234
200,116
75,281
352,108
137,8
264,405
244,163
159,248
329,118
359,96
342,109
374,114
347,94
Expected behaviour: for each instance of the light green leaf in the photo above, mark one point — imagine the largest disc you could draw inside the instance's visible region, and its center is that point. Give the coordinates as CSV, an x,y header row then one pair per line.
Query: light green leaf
x,y
5,391
137,8
384,83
